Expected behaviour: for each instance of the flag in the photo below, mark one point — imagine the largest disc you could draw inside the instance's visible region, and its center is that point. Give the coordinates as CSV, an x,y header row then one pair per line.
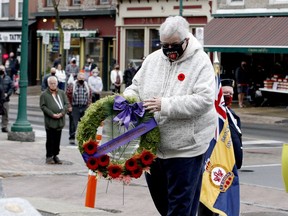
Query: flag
x,y
220,181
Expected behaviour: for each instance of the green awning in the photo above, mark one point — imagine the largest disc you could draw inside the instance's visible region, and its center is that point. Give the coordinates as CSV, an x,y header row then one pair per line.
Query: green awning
x,y
74,33
247,35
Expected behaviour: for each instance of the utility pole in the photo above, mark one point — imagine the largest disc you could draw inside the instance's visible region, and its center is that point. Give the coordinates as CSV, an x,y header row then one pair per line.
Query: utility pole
x,y
22,130
180,7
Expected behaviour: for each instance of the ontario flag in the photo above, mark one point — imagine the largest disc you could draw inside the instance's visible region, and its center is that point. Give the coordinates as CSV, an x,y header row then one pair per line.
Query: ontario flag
x,y
220,183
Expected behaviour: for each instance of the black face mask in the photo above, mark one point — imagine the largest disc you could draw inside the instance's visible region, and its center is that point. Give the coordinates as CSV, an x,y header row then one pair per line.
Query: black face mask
x,y
175,52
1,72
52,74
81,82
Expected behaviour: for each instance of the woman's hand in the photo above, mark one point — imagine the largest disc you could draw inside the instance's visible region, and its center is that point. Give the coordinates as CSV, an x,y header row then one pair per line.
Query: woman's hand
x,y
153,105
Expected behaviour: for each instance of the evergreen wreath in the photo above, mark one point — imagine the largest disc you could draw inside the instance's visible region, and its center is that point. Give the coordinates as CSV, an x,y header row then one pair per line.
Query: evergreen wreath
x,y
122,169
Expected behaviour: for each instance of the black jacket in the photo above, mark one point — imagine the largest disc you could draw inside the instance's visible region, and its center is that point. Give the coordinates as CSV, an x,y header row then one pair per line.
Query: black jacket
x,y
7,85
236,137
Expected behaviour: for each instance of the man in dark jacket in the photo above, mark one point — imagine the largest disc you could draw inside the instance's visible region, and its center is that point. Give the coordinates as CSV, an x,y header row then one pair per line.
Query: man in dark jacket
x,y
7,85
13,65
129,73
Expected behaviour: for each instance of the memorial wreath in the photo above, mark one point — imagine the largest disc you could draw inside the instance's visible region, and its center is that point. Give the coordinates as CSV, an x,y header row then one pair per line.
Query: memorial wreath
x,y
112,160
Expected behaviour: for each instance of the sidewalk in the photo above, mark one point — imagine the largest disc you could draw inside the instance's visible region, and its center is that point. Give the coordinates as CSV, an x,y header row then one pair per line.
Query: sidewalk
x,y
60,189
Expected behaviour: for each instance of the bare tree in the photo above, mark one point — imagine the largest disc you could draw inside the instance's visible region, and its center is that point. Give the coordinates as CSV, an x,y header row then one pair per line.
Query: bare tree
x,y
60,29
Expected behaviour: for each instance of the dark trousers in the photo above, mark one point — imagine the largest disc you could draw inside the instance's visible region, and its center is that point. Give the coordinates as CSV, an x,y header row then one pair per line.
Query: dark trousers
x,y
95,97
204,211
77,113
72,129
175,185
53,138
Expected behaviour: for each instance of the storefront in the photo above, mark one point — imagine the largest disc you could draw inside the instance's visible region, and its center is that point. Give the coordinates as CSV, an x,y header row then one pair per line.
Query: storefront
x,y
90,36
138,25
261,41
10,41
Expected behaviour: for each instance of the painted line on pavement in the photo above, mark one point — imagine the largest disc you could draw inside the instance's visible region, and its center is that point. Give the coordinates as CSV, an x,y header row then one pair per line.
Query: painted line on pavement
x,y
260,165
256,142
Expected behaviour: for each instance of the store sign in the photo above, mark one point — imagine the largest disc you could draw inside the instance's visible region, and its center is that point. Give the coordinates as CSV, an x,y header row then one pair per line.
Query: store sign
x,y
10,37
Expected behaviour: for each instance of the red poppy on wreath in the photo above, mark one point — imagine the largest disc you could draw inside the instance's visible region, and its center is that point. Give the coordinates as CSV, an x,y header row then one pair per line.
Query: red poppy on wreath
x,y
114,170
90,147
104,161
92,163
146,158
181,77
131,164
137,172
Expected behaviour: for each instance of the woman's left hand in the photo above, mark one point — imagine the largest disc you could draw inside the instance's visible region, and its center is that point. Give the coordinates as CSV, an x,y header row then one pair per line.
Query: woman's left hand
x,y
153,105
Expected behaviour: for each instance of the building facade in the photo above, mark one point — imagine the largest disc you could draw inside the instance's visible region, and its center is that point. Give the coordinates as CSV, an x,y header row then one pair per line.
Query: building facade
x,y
138,22
89,31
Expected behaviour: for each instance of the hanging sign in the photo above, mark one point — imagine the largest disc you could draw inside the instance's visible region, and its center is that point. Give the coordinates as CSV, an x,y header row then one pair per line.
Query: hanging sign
x,y
67,39
46,38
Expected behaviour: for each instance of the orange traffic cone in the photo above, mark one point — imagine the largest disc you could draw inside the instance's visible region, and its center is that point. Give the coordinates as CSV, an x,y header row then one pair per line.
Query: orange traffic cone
x,y
91,190
92,179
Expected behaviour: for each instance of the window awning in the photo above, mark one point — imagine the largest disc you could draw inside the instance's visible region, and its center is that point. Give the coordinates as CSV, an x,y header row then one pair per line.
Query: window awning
x,y
248,35
74,33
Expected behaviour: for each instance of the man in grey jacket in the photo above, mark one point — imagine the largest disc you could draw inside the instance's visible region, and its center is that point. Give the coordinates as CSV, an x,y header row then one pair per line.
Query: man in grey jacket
x,y
177,84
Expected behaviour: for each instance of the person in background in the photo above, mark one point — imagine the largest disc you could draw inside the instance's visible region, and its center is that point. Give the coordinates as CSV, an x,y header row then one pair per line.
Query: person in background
x,y
177,84
88,67
129,73
96,85
116,77
7,86
138,68
44,84
242,80
12,65
72,69
80,97
54,104
2,100
57,61
61,76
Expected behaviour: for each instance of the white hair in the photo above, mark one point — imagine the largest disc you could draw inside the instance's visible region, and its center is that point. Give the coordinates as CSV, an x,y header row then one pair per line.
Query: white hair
x,y
174,25
50,78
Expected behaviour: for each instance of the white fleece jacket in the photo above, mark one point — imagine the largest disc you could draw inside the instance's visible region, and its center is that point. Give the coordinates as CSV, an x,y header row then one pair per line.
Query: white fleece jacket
x,y
187,119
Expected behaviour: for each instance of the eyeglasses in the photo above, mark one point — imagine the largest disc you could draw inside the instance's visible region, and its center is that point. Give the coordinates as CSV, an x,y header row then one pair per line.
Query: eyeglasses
x,y
173,45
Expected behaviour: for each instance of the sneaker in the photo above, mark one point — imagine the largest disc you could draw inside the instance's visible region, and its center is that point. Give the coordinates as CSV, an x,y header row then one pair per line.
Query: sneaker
x,y
5,130
57,160
50,160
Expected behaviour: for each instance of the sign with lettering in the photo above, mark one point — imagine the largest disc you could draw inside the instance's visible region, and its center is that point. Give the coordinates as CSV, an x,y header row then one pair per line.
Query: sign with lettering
x,y
11,37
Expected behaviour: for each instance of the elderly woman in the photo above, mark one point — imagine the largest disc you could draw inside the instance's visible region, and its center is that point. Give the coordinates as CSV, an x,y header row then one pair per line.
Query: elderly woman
x,y
96,85
177,84
54,104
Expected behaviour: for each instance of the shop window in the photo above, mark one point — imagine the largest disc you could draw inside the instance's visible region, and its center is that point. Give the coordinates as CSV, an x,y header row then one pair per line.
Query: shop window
x,y
154,40
4,8
93,49
278,1
104,1
76,2
235,2
135,45
19,7
49,3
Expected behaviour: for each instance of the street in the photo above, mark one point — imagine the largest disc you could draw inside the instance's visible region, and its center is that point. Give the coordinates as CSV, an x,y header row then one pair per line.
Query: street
x,y
260,175
262,145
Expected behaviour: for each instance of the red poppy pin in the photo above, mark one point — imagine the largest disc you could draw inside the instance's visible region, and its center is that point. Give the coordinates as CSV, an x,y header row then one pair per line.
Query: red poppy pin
x,y
181,77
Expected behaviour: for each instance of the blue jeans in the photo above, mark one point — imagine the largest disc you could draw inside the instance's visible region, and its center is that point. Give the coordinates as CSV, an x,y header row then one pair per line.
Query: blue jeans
x,y
175,185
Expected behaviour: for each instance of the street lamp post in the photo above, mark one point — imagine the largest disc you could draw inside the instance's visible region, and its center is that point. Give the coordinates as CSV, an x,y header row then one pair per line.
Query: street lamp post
x,y
22,130
180,7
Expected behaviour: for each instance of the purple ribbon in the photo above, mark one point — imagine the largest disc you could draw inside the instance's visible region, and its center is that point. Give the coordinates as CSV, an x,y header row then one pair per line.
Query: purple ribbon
x,y
129,112
122,139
